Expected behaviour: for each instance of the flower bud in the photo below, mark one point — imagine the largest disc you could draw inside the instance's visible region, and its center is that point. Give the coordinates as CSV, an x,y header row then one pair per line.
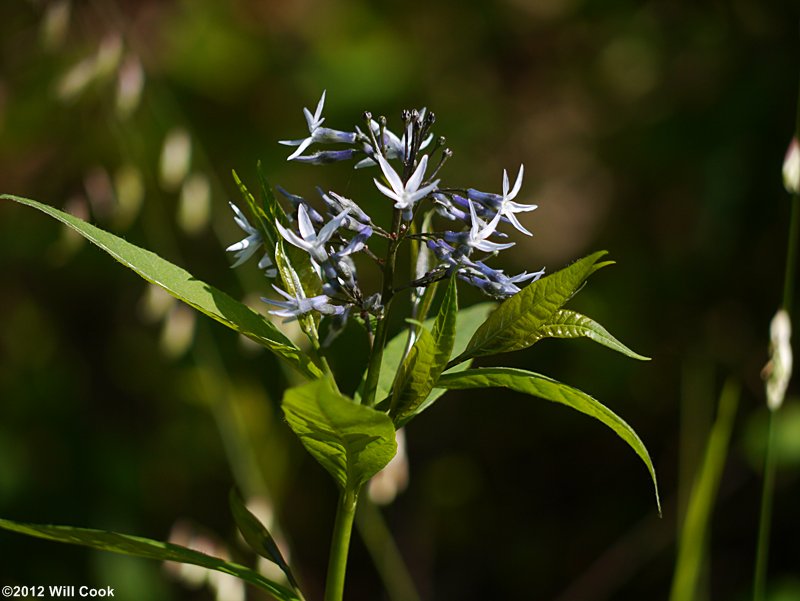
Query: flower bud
x,y
791,168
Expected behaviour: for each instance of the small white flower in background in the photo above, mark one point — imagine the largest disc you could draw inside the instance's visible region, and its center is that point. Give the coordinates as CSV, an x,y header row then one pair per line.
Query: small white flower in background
x,y
393,479
194,204
791,168
778,371
176,158
130,83
225,586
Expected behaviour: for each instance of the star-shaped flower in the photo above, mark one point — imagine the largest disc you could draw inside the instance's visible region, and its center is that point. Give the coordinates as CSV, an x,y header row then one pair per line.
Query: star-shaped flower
x,y
505,204
295,306
480,231
405,196
246,248
317,133
310,240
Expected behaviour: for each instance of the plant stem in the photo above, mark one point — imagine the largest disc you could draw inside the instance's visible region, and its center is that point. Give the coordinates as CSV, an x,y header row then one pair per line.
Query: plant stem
x,y
340,544
791,254
383,549
767,492
765,520
387,291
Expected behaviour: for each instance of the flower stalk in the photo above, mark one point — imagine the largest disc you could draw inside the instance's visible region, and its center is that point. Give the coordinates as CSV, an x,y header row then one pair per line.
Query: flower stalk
x,y
340,545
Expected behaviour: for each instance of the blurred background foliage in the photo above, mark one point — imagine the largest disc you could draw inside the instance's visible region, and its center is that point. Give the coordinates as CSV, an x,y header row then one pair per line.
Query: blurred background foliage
x,y
655,130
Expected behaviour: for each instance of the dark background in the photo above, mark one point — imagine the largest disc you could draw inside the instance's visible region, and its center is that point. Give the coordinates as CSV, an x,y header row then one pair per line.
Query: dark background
x,y
654,130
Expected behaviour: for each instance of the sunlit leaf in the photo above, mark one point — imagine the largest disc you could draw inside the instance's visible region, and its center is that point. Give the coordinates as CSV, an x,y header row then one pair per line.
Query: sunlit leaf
x,y
136,546
516,322
467,321
426,360
569,324
546,388
293,285
352,442
185,287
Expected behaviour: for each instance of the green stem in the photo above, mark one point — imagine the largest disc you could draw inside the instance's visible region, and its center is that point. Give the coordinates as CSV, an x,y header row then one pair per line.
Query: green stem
x,y
383,549
791,254
340,544
767,492
765,520
387,291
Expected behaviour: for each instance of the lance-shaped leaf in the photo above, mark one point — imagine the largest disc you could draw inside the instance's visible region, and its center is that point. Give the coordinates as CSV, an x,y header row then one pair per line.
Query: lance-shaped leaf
x,y
516,322
426,360
352,442
294,286
146,548
569,324
266,215
185,287
257,536
546,388
467,321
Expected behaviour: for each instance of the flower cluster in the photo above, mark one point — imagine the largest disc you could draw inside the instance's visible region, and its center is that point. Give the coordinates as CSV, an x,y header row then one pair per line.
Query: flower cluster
x,y
408,165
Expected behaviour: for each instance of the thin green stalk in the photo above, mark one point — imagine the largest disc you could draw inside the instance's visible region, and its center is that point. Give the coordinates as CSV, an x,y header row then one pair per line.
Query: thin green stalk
x,y
791,254
765,520
767,491
383,549
340,544
387,291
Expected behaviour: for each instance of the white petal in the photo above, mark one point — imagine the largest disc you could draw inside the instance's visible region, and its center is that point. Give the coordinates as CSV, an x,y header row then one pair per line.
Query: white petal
x,y
515,222
423,192
390,193
416,179
304,224
517,184
303,145
328,230
320,104
391,175
516,207
505,183
292,238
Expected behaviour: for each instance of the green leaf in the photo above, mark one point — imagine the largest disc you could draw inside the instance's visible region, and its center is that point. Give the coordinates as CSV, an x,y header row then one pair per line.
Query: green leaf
x,y
569,324
516,322
426,360
185,287
467,321
136,546
293,285
257,536
265,214
352,442
546,388
696,525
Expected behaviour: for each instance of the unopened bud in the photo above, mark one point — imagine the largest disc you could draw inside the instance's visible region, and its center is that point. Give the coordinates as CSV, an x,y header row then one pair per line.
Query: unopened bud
x,y
778,371
791,168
